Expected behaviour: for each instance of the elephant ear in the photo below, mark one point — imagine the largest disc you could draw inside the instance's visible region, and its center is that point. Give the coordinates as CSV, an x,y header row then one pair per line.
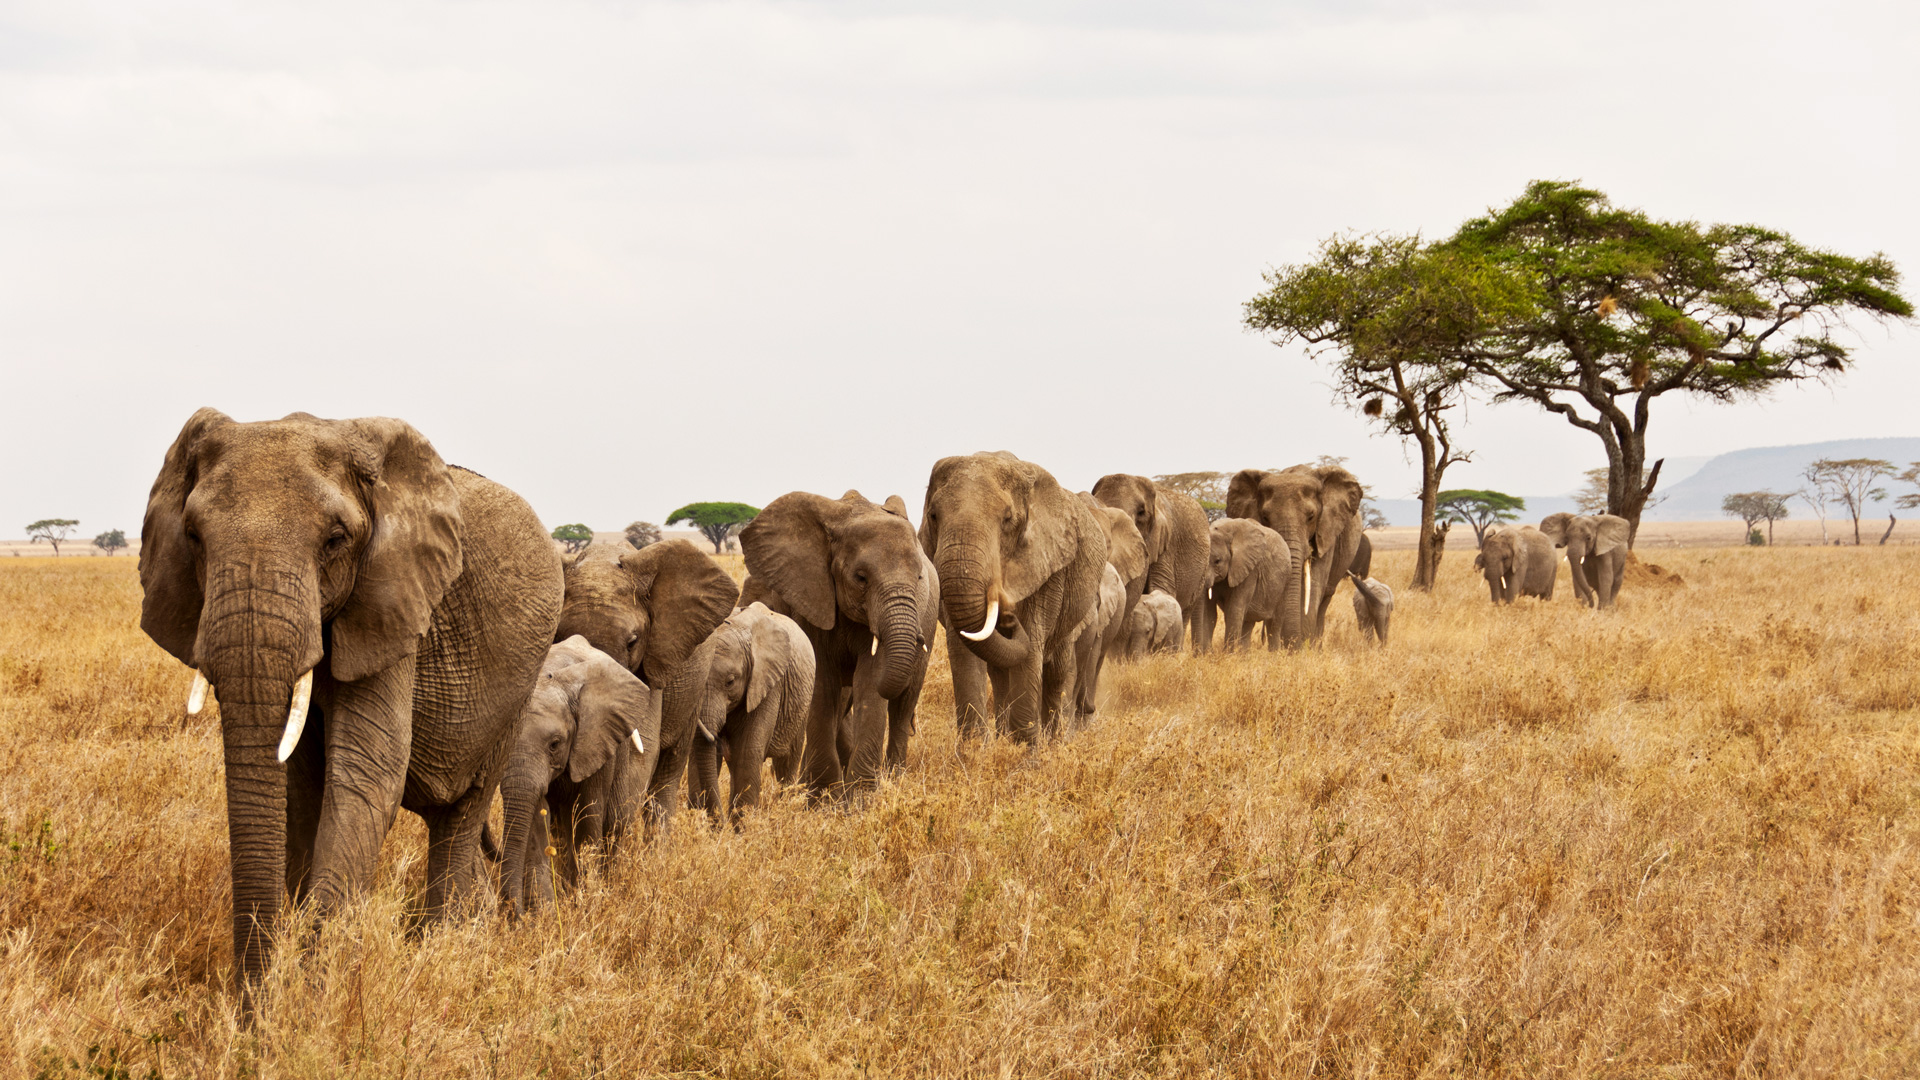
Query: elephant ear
x,y
896,506
1555,526
1610,532
413,555
1340,496
779,639
1243,556
1243,494
171,598
1126,551
788,548
1057,524
685,594
1480,559
610,704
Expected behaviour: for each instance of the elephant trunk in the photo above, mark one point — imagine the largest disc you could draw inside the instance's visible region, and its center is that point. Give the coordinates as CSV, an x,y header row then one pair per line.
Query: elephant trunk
x,y
896,622
966,589
523,792
1293,600
255,645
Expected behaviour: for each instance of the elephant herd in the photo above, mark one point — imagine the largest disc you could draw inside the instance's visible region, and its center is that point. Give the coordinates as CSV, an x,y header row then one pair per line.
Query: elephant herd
x,y
1519,560
384,630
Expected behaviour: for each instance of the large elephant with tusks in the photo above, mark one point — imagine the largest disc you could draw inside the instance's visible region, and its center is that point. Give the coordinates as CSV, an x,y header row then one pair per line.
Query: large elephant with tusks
x,y
1020,561
1316,510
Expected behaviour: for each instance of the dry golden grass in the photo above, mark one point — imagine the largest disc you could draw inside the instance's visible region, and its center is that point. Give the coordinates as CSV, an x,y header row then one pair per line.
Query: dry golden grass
x,y
1677,840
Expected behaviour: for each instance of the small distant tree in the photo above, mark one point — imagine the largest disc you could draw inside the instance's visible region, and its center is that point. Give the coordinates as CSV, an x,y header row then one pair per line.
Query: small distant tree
x,y
1756,506
1479,509
1371,517
575,536
642,533
1910,475
1852,482
1817,491
1592,496
716,520
52,531
1209,489
111,541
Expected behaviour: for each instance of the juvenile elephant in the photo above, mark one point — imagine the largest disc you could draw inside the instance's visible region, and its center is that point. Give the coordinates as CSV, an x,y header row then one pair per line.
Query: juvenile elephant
x,y
1596,552
1173,528
1250,565
1020,563
759,667
851,573
585,707
648,609
1155,625
335,576
1516,561
1316,509
1372,606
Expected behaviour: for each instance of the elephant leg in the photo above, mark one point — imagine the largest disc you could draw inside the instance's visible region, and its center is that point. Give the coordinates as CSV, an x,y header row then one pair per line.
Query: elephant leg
x,y
559,828
1193,618
539,872
823,764
705,788
1233,616
369,736
306,780
970,678
453,848
901,717
745,753
1056,682
663,792
1002,681
1271,632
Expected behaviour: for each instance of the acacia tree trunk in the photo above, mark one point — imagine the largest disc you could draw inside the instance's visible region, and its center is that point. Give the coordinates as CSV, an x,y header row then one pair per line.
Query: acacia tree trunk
x,y
1891,522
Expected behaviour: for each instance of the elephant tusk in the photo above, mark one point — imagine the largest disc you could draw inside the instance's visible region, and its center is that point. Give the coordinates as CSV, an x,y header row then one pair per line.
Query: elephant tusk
x,y
297,714
197,696
874,649
637,744
993,617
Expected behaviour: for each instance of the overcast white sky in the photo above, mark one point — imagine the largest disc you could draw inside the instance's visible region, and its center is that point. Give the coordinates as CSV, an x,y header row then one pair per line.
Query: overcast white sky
x,y
622,256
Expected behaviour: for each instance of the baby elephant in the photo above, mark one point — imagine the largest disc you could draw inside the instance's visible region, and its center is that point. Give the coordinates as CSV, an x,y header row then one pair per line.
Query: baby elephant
x,y
1155,625
1372,606
1250,565
582,706
759,684
1517,561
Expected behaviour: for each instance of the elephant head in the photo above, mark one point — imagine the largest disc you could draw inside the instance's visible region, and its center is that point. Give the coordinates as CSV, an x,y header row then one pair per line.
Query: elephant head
x,y
1142,503
267,549
845,559
1316,510
997,528
1499,561
1585,534
649,609
584,703
1239,548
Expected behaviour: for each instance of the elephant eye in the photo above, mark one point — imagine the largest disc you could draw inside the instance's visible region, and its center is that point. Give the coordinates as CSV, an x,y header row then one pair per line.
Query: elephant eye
x,y
633,639
860,576
337,539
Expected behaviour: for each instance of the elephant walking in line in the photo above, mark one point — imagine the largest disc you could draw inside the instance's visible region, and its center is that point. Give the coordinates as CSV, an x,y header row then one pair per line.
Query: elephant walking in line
x,y
1174,529
852,575
1250,565
1517,561
1097,636
1154,626
1596,552
584,709
759,685
369,616
1316,510
1372,606
648,609
1020,561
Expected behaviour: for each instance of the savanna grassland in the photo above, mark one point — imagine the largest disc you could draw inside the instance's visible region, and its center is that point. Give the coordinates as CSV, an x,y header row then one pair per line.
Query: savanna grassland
x,y
1680,839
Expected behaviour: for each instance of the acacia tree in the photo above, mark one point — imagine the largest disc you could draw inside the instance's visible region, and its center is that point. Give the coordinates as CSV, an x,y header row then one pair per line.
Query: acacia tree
x,y
1756,506
1818,493
1394,318
575,536
1480,509
642,533
1623,308
111,541
1852,482
52,531
716,520
1209,489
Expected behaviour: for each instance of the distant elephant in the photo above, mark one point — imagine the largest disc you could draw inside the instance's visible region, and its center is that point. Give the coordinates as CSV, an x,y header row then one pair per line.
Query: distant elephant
x,y
1596,551
1316,509
1372,606
1098,635
1174,528
1155,625
759,667
585,707
336,574
1516,561
649,609
851,573
1250,565
1020,564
